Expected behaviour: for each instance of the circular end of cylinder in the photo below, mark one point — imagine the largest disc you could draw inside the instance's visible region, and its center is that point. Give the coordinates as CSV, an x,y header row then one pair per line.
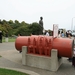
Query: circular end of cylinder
x,y
21,41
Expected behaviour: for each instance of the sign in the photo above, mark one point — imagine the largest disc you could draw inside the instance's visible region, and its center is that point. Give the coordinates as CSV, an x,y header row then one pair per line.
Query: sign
x,y
55,30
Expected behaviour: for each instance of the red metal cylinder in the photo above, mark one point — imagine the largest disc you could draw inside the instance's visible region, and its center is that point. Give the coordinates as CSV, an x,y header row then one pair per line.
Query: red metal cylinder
x,y
42,45
64,46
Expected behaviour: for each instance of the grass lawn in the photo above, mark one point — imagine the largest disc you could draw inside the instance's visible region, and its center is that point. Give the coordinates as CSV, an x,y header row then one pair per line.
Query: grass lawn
x,y
10,39
10,72
0,56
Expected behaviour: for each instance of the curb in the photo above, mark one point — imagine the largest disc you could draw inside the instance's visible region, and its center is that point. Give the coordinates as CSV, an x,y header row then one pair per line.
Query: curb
x,y
21,70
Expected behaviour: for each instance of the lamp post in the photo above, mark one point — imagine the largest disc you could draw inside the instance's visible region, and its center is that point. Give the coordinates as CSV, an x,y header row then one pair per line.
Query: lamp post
x,y
72,24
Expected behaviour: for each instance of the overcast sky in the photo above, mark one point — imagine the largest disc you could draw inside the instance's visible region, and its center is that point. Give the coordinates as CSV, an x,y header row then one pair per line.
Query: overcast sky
x,y
59,12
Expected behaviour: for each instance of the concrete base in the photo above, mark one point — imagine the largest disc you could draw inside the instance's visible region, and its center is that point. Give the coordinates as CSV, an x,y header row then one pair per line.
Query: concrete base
x,y
49,63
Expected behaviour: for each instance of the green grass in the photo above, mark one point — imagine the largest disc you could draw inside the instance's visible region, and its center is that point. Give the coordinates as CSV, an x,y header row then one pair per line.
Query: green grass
x,y
0,56
10,72
12,39
9,40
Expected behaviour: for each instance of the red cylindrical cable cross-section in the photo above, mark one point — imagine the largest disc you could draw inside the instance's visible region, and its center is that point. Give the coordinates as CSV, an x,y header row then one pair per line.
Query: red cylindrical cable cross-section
x,y
42,45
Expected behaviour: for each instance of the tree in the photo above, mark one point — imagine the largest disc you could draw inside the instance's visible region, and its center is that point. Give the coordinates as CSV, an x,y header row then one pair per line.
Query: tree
x,y
16,21
23,30
35,28
3,29
19,28
4,22
23,23
10,22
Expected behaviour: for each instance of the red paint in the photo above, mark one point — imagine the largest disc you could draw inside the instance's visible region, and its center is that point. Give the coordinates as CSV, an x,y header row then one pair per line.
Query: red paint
x,y
42,45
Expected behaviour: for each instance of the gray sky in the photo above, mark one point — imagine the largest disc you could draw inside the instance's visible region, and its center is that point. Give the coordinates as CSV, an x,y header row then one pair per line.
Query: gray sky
x,y
58,12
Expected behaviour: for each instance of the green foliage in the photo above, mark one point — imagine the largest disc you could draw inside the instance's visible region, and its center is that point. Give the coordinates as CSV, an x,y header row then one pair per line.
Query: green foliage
x,y
0,56
10,22
23,30
4,22
3,29
15,28
16,21
15,25
35,28
23,23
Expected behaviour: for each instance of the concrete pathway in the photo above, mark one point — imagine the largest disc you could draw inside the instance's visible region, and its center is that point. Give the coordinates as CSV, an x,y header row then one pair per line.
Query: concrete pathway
x,y
12,59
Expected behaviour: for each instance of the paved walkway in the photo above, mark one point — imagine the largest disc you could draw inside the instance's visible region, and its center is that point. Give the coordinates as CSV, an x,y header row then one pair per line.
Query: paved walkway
x,y
12,59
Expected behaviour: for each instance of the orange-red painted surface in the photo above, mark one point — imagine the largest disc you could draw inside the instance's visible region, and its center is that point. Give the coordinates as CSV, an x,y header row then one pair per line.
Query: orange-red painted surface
x,y
42,45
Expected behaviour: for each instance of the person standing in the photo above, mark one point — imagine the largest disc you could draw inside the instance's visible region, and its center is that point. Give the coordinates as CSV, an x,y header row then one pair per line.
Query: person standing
x,y
73,58
62,34
0,36
59,34
47,33
41,24
19,34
